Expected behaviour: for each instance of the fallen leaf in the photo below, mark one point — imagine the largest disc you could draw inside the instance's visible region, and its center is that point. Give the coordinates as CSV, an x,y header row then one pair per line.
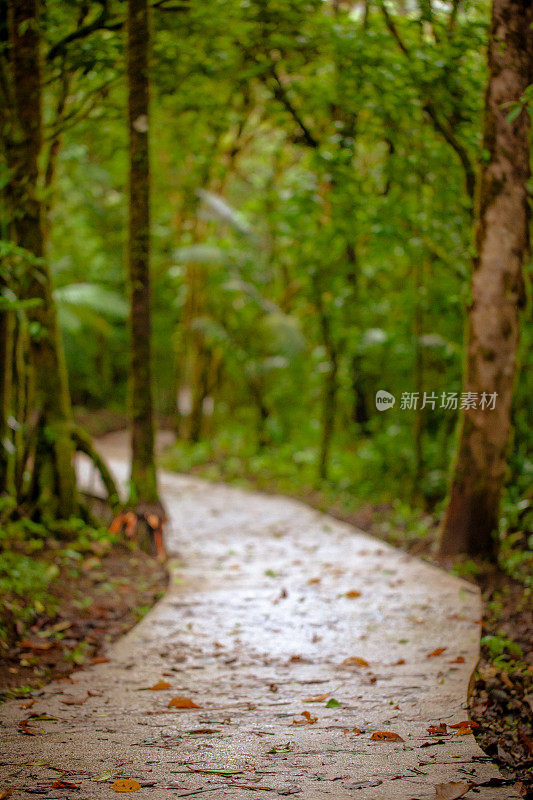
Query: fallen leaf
x,y
400,661
65,785
99,660
28,704
458,660
159,686
467,723
307,719
25,727
332,703
386,736
104,777
182,702
438,652
463,731
452,790
5,793
32,645
125,785
352,730
317,698
73,701
311,581
437,730
353,594
355,661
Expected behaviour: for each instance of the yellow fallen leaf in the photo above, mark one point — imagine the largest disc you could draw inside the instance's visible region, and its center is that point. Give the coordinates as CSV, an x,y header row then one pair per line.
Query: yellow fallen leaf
x,y
126,785
182,702
354,593
355,661
317,698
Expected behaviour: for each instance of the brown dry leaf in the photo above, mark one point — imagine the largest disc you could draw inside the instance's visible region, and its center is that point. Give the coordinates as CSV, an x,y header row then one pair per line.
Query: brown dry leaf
x,y
399,662
311,581
458,660
307,719
352,730
436,730
355,661
126,785
353,594
65,785
73,701
526,741
153,521
467,723
5,793
452,790
27,704
463,731
506,680
182,702
296,659
386,736
25,727
438,652
157,687
33,645
317,698
99,660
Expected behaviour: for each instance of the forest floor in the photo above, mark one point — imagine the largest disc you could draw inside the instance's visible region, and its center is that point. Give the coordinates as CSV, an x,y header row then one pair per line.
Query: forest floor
x,y
292,654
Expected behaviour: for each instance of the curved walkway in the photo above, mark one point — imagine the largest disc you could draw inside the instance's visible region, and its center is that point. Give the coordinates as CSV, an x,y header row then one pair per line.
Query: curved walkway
x,y
272,612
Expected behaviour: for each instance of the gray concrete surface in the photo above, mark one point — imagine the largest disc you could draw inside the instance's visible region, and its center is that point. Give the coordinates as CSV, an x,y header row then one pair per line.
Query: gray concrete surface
x,y
256,621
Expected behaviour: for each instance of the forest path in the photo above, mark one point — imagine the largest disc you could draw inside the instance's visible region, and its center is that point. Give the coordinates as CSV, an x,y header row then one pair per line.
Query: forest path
x,y
258,619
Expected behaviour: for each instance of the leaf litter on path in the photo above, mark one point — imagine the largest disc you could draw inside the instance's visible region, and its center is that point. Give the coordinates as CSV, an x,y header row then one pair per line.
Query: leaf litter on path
x,y
126,785
452,790
182,702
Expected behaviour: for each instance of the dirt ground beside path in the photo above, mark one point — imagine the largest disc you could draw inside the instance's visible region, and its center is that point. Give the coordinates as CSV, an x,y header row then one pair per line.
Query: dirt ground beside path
x,y
312,658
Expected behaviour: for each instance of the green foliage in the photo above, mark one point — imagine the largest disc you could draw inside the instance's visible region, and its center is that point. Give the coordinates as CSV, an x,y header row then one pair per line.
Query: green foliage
x,y
32,557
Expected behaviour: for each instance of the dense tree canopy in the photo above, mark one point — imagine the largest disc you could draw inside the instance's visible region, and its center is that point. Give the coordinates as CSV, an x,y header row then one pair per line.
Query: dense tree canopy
x,y
313,180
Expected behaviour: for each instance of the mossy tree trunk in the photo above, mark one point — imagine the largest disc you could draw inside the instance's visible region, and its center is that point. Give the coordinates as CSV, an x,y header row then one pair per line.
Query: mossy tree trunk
x,y
55,483
502,250
143,471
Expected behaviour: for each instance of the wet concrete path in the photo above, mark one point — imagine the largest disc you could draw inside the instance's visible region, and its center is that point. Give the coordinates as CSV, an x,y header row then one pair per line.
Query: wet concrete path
x,y
299,639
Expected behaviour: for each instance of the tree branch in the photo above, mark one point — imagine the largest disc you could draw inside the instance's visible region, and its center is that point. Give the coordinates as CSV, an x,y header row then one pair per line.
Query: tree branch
x,y
443,128
280,93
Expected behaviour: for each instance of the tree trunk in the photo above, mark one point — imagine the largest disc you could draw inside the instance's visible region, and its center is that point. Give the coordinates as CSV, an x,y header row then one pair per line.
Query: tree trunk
x,y
143,471
502,244
55,484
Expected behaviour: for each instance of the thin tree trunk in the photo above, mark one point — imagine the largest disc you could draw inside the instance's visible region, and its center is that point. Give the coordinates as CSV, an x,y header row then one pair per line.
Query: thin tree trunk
x,y
502,245
143,471
329,397
56,484
418,422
